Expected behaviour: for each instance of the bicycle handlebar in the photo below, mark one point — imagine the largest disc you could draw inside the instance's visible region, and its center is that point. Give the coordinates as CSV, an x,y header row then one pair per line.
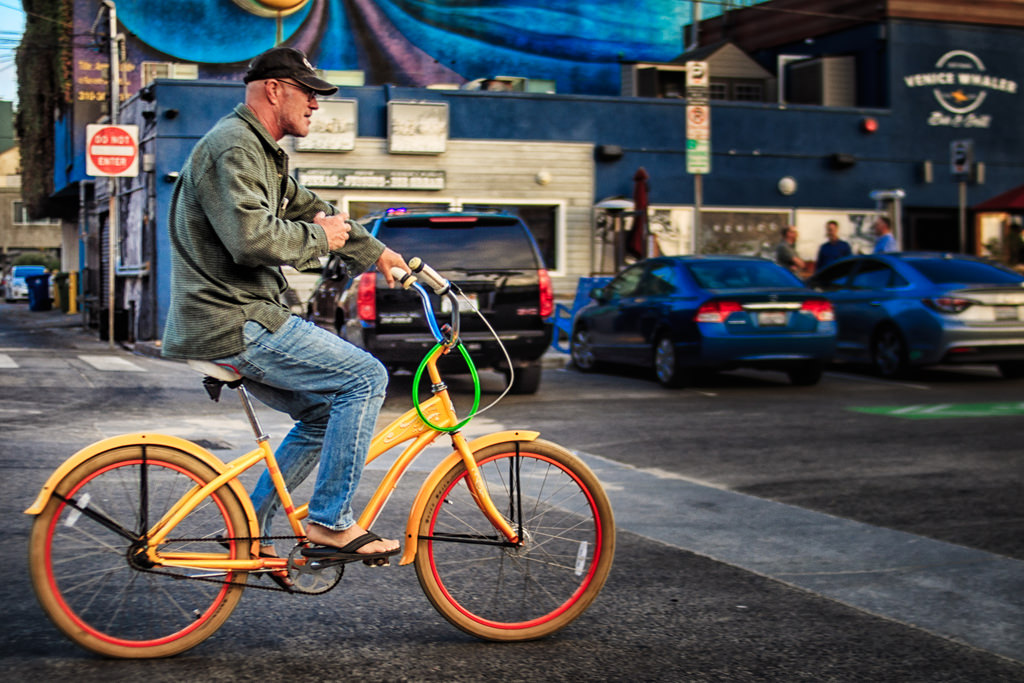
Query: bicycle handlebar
x,y
436,282
440,286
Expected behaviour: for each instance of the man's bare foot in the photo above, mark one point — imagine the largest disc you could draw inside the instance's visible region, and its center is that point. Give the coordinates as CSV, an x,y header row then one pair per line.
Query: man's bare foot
x,y
321,535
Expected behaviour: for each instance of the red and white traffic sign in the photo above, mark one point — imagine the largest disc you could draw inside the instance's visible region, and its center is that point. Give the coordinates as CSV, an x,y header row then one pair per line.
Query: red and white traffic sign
x,y
112,150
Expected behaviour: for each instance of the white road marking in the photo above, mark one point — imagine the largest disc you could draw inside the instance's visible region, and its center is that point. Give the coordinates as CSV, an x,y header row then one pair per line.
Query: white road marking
x,y
111,364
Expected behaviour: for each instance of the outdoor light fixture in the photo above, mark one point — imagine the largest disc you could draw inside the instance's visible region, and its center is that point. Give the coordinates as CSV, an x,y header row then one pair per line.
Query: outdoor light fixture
x,y
841,160
609,152
787,185
869,124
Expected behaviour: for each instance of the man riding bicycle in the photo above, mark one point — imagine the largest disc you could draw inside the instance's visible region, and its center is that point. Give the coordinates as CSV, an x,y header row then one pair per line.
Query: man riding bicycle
x,y
236,216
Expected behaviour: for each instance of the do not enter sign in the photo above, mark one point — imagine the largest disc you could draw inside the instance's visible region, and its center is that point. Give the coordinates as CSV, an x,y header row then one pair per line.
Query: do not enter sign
x,y
112,150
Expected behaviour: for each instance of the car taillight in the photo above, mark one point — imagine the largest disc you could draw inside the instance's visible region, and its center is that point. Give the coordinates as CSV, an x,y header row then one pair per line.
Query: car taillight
x,y
820,309
716,311
366,297
547,294
949,304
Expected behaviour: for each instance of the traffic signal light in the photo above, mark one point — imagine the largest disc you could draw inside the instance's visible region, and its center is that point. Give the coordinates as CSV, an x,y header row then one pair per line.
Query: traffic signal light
x,y
960,153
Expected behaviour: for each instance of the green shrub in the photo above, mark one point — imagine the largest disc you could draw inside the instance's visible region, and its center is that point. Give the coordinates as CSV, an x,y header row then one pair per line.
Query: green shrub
x,y
37,258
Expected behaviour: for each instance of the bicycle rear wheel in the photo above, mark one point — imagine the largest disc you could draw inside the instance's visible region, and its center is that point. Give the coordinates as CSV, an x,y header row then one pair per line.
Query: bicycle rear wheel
x,y
531,590
81,560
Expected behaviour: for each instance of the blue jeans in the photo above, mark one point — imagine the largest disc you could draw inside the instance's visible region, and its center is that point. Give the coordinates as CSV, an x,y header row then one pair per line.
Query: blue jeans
x,y
334,391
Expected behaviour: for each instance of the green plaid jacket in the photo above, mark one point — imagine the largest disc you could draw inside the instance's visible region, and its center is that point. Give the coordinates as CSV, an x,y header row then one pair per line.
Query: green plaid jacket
x,y
236,216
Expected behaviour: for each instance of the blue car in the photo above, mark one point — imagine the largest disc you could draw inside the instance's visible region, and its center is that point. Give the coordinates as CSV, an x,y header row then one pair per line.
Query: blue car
x,y
679,314
898,311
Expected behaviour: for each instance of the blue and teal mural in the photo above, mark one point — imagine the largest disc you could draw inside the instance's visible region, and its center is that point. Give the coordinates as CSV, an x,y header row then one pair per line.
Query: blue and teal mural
x,y
575,43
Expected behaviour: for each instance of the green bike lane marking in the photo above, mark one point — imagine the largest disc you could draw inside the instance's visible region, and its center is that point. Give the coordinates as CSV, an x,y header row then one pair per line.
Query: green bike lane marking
x,y
943,411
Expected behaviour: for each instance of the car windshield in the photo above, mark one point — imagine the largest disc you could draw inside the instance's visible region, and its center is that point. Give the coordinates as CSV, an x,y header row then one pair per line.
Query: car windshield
x,y
466,246
741,275
962,271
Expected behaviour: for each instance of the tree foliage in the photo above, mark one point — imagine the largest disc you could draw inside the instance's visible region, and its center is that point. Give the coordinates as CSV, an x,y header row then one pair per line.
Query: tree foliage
x,y
44,65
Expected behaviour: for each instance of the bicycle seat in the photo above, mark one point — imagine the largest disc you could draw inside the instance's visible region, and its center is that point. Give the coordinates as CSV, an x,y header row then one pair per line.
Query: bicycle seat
x,y
211,369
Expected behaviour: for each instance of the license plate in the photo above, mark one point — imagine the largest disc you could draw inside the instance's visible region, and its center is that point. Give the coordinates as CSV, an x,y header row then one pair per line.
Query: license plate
x,y
771,318
1006,313
446,304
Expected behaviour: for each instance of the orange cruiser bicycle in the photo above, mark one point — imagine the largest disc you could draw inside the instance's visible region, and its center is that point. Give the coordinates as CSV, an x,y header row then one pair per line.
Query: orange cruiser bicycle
x,y
142,544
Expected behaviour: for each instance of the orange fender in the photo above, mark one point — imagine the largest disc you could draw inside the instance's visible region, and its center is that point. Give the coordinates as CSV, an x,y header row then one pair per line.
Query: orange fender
x,y
105,445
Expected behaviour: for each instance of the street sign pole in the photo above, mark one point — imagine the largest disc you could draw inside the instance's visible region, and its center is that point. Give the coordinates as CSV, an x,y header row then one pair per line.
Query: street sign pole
x,y
698,138
960,157
111,151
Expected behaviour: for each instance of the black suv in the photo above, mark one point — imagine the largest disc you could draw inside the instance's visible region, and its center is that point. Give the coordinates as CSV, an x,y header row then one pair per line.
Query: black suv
x,y
491,257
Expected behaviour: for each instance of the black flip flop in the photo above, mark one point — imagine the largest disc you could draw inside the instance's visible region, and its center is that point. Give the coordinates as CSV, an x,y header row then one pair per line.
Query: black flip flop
x,y
348,552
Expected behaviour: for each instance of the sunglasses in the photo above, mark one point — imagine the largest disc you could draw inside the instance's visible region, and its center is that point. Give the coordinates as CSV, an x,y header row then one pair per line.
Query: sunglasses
x,y
309,93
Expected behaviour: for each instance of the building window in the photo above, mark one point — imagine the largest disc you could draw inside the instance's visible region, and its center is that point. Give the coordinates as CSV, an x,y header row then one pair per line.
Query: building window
x,y
719,90
21,216
748,92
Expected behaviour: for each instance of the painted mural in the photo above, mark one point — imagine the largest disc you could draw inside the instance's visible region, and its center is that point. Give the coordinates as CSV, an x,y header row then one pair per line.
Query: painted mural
x,y
577,44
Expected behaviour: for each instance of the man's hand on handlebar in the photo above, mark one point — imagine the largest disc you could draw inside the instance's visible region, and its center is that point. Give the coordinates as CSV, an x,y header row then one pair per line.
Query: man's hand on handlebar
x,y
388,260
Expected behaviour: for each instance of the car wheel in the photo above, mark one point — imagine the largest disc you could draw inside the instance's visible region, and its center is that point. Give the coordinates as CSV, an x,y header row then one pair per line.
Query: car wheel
x,y
666,364
1011,369
889,352
526,379
807,374
582,350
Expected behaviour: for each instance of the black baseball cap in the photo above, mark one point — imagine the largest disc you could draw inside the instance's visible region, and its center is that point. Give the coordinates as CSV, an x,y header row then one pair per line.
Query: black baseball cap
x,y
287,62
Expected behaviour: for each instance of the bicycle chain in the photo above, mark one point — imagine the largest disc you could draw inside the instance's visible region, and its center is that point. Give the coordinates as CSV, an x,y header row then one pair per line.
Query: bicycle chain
x,y
205,579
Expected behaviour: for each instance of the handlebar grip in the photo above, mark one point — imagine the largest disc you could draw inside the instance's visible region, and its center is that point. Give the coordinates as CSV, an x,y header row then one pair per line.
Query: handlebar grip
x,y
429,275
403,278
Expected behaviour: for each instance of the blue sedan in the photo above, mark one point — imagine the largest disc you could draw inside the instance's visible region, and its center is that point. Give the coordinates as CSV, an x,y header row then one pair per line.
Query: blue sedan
x,y
897,311
683,313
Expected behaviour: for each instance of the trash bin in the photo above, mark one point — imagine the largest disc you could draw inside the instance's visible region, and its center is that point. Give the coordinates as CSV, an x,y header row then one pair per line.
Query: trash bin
x,y
60,285
38,292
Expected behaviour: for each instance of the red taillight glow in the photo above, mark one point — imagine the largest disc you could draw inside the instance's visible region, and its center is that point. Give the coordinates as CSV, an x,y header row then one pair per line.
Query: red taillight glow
x,y
949,304
716,311
366,298
820,309
547,294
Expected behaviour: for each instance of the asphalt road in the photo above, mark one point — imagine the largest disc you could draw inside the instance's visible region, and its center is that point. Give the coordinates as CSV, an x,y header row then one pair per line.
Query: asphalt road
x,y
860,530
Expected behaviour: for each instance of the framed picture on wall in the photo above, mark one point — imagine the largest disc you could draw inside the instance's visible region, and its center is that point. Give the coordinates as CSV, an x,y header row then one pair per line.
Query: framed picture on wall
x,y
417,127
333,128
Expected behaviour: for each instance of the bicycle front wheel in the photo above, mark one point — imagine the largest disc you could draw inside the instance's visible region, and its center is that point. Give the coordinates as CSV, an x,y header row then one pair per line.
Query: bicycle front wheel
x,y
84,562
524,592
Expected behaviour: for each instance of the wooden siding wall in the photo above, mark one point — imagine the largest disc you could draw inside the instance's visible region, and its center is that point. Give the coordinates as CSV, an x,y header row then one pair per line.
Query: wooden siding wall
x,y
489,171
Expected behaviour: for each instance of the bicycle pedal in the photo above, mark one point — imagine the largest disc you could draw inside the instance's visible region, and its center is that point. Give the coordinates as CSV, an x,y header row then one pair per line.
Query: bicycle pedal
x,y
378,562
